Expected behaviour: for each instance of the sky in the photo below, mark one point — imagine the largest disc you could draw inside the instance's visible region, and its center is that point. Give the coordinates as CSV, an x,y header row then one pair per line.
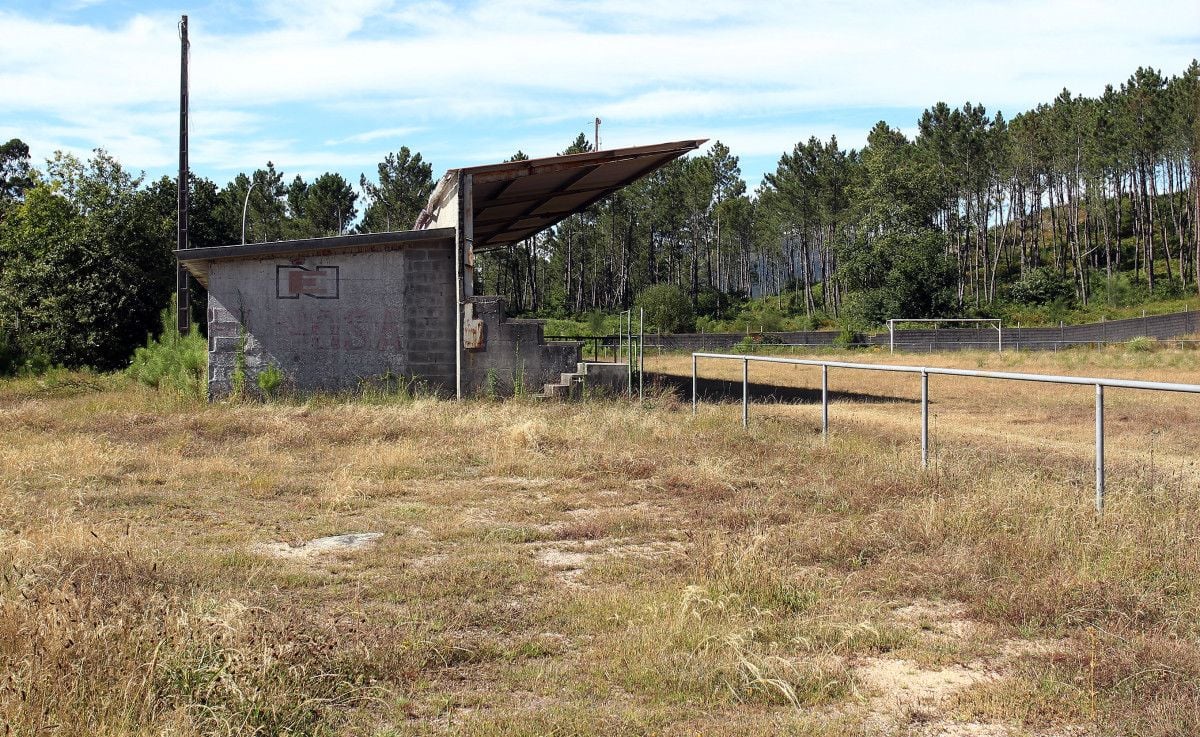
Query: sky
x,y
335,86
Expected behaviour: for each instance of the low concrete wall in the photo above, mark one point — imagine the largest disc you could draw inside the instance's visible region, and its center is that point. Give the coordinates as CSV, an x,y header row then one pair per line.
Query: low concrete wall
x,y
949,339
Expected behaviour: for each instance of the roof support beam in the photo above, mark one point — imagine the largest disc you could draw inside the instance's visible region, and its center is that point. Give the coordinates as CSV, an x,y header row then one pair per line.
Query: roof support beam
x,y
508,223
505,202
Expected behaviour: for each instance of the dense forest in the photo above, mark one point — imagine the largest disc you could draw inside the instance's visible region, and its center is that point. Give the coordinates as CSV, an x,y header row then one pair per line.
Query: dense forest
x,y
1073,201
1077,196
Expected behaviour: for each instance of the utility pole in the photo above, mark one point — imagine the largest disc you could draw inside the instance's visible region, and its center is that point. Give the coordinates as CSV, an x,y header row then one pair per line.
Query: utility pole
x,y
183,302
596,140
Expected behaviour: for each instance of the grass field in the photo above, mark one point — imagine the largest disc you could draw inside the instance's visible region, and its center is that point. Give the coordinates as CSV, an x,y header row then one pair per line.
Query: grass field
x,y
604,567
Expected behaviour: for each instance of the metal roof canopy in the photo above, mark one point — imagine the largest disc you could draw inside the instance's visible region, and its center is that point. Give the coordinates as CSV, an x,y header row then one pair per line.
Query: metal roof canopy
x,y
519,199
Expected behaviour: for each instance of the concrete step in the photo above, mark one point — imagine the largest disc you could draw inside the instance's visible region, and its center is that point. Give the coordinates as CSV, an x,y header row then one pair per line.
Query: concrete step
x,y
556,391
570,386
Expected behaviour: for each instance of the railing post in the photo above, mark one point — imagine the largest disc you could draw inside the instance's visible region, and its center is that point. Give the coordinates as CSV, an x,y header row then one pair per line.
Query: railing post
x,y
693,383
629,354
825,402
641,351
924,418
891,337
745,392
1099,449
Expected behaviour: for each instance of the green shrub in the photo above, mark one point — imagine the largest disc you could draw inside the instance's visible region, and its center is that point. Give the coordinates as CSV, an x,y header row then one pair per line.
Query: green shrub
x,y
1044,286
10,353
560,326
237,377
17,359
596,322
667,308
172,361
847,338
761,316
269,380
1142,345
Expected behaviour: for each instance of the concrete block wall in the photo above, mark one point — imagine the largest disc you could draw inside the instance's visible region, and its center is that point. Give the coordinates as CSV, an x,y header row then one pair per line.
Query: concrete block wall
x,y
951,338
334,322
514,353
696,342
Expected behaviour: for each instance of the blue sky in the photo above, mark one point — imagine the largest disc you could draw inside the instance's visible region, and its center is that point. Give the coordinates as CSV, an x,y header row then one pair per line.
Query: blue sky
x,y
334,86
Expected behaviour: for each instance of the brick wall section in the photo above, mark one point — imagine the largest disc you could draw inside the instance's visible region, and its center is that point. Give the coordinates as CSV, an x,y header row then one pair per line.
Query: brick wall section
x,y
946,339
386,312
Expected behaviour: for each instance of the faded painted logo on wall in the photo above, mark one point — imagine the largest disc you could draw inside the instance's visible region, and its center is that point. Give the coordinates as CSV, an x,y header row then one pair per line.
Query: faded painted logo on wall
x,y
318,282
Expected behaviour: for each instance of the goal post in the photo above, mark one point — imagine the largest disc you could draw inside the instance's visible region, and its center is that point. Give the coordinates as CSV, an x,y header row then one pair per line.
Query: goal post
x,y
999,325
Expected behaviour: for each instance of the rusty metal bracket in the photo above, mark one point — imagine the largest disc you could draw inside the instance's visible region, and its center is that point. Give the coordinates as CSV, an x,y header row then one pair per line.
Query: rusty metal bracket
x,y
473,333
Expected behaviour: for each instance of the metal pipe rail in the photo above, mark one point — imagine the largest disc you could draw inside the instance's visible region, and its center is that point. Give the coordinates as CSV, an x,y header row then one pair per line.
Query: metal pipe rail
x,y
925,372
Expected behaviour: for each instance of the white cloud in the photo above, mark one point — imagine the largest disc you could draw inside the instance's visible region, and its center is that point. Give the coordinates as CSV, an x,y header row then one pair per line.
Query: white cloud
x,y
306,76
373,135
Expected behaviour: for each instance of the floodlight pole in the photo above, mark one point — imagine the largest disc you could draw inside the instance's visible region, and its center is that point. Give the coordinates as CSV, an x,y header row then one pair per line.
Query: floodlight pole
x,y
245,208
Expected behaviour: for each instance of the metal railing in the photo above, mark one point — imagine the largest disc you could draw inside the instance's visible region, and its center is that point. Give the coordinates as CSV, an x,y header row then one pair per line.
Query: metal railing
x,y
606,348
925,372
625,347
634,344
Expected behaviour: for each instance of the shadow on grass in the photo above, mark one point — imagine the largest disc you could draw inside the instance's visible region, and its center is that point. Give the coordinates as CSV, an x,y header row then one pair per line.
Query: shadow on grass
x,y
721,390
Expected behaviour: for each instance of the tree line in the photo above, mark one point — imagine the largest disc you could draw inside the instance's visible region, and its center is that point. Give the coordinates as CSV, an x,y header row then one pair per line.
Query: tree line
x,y
1078,196
1076,199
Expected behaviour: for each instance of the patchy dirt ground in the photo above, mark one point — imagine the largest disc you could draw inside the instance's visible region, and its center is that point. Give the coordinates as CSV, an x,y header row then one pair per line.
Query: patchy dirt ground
x,y
174,568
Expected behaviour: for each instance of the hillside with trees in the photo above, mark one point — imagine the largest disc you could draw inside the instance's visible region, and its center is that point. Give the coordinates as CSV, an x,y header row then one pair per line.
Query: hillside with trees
x,y
1081,201
1078,200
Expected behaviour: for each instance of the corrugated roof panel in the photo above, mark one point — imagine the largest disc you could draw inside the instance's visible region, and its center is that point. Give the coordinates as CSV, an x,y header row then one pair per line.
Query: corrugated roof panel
x,y
514,200
569,202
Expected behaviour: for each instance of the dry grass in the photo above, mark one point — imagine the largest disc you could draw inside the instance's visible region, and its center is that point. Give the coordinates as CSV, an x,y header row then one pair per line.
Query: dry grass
x,y
604,568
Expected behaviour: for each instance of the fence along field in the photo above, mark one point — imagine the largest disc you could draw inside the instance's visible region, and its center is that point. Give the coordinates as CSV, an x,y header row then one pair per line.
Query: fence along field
x,y
1146,411
925,372
603,567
